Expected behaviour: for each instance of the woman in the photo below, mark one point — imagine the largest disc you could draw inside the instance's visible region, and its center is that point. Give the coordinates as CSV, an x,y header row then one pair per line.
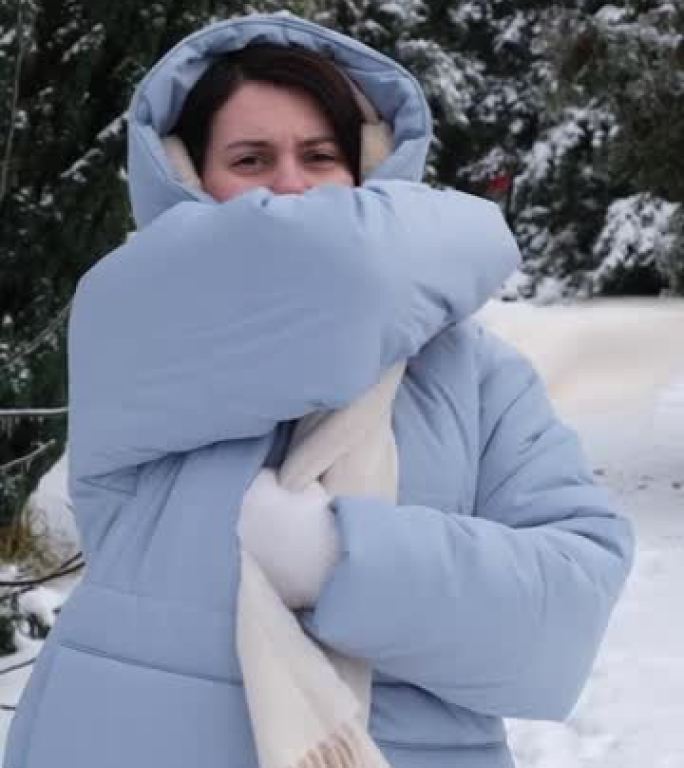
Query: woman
x,y
284,286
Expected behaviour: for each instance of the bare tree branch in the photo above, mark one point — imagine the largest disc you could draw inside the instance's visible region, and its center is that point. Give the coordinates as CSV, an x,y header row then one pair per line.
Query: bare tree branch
x,y
4,176
30,412
29,457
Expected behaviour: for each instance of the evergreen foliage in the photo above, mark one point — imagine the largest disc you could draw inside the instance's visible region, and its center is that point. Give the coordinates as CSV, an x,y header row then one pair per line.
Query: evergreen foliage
x,y
609,153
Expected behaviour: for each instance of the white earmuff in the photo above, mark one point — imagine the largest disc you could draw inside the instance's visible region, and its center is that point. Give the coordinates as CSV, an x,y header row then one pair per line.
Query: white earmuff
x,y
377,139
376,145
180,162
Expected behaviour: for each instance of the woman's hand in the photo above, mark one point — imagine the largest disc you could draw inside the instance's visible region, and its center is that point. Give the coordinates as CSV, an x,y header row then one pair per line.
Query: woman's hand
x,y
292,535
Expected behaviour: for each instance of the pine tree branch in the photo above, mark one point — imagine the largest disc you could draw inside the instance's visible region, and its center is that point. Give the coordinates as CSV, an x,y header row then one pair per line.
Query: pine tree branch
x,y
35,343
113,128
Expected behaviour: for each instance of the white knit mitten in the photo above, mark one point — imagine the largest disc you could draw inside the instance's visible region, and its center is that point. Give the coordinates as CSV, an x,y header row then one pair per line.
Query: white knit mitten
x,y
292,535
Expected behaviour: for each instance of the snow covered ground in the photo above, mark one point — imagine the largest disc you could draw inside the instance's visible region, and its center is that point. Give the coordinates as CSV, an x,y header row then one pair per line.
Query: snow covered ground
x,y
631,713
616,371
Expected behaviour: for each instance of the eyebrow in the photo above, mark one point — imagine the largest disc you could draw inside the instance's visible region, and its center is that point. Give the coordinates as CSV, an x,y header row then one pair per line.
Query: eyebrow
x,y
261,144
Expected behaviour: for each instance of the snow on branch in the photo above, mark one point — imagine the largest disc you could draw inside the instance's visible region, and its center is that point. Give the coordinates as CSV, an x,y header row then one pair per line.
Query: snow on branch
x,y
38,340
75,171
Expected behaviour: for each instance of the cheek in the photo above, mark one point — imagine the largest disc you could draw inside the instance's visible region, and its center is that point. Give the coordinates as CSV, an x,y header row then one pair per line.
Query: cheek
x,y
341,176
222,185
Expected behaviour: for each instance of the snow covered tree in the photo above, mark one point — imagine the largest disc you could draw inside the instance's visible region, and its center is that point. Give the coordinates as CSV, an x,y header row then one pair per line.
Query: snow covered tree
x,y
505,41
30,362
595,201
560,194
405,30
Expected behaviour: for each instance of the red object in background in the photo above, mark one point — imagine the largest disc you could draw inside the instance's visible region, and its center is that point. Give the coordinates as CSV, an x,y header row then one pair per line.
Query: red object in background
x,y
499,185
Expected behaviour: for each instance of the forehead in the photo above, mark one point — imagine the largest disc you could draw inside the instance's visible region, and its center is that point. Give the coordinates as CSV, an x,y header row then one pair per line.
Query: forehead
x,y
263,110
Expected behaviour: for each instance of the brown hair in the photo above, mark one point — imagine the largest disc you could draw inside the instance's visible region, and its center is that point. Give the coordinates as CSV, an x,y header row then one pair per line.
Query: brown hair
x,y
287,66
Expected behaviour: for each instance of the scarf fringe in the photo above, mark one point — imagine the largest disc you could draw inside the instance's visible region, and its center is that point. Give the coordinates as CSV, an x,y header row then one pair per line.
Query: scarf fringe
x,y
348,747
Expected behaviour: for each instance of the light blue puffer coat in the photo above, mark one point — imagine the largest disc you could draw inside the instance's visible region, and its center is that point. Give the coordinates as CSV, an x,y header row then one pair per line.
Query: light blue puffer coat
x,y
194,347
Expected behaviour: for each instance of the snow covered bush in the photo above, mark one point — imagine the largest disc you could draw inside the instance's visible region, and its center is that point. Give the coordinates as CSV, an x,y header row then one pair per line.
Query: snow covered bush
x,y
635,246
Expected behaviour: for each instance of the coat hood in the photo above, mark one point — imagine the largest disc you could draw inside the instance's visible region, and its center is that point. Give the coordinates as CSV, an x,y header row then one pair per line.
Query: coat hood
x,y
159,98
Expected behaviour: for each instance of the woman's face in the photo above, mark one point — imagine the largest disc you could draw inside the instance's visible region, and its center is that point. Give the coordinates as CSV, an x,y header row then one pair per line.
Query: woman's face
x,y
275,137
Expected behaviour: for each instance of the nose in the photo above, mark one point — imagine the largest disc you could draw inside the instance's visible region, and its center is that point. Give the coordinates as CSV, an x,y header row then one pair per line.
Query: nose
x,y
289,177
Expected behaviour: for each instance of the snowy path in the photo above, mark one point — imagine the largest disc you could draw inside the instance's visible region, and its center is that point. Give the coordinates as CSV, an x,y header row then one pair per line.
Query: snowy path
x,y
631,714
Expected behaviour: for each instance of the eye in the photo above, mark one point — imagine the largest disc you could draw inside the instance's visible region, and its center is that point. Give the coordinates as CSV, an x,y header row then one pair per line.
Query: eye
x,y
323,157
253,162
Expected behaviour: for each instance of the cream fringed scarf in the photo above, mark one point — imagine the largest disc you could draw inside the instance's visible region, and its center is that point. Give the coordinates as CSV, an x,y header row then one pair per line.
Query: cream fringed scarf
x,y
308,705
